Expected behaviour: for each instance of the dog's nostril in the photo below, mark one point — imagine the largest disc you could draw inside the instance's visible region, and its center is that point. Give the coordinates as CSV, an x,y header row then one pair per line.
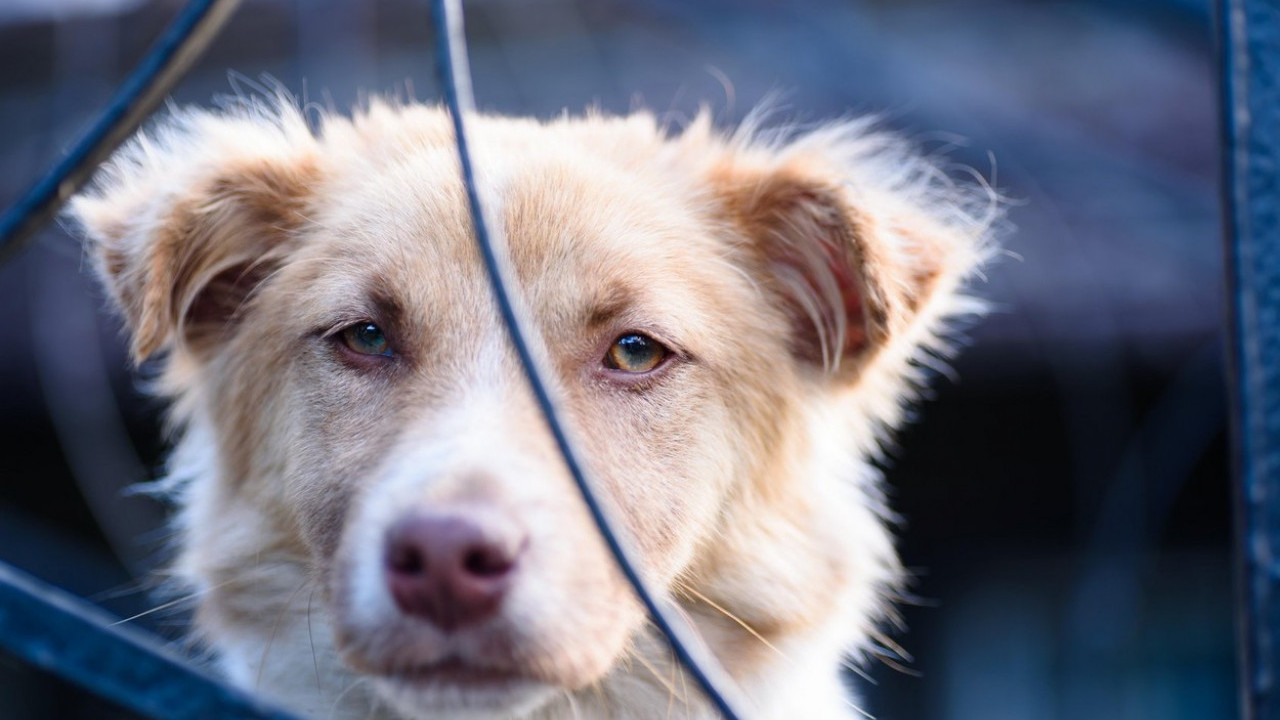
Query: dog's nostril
x,y
487,562
405,558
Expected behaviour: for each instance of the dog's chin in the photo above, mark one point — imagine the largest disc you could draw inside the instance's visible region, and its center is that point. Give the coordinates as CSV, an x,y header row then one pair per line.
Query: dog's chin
x,y
455,691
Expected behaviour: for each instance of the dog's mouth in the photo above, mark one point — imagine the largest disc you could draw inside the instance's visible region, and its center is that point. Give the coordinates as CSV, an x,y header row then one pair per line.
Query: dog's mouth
x,y
456,687
456,672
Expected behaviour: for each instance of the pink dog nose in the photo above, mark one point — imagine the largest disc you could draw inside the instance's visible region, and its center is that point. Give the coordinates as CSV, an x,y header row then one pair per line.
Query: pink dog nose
x,y
451,569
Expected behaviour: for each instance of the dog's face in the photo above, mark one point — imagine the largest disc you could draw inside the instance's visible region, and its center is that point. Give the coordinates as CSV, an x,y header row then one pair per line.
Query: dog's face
x,y
711,314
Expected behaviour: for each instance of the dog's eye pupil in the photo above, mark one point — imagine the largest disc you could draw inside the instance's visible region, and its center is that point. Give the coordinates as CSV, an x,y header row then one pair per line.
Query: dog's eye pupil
x,y
635,353
366,339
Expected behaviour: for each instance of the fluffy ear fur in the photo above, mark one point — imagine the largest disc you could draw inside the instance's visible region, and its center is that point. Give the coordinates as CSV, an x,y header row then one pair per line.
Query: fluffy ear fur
x,y
863,242
186,220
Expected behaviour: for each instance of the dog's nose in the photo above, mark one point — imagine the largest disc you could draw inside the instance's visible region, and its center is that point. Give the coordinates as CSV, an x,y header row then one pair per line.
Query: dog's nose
x,y
451,569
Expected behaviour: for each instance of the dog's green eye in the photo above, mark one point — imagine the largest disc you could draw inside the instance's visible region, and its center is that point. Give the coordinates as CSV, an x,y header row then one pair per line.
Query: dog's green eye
x,y
635,353
366,339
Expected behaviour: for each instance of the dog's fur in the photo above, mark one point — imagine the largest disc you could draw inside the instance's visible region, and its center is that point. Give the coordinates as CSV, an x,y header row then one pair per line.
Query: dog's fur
x,y
800,279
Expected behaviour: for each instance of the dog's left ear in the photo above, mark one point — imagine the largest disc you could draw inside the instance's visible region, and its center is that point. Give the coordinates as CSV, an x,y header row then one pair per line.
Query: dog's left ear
x,y
857,263
185,222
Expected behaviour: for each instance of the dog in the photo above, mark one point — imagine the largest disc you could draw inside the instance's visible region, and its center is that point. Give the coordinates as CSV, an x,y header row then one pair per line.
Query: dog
x,y
373,519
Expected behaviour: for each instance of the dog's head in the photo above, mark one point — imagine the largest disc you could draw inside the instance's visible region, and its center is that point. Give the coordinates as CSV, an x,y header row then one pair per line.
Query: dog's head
x,y
729,321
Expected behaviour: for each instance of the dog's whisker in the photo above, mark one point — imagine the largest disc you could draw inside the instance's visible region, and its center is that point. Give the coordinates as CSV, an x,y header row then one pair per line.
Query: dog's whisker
x,y
684,694
739,621
675,673
133,587
859,710
654,671
275,628
172,603
571,703
159,608
375,704
311,640
355,682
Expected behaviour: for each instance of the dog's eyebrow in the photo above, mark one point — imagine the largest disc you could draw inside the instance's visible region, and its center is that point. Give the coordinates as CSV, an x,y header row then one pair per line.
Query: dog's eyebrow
x,y
386,306
370,305
607,310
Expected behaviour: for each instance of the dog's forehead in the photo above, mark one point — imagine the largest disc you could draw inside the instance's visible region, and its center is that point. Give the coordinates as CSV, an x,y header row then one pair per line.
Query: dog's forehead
x,y
587,233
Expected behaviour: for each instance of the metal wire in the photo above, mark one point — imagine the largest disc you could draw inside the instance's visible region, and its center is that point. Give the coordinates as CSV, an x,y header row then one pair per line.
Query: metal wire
x,y
39,623
455,77
163,66
1248,40
81,643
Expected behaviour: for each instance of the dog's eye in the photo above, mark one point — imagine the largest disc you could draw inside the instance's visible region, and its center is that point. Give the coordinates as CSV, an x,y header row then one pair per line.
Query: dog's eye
x,y
366,339
635,353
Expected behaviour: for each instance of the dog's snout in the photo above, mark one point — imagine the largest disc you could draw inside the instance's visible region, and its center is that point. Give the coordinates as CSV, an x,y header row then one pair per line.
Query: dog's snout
x,y
451,569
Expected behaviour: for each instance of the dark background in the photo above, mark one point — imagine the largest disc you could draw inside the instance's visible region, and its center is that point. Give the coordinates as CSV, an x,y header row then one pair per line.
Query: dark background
x,y
1065,496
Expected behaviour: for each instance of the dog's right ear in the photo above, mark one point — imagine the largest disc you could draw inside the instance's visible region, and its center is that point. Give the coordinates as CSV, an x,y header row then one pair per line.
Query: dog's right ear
x,y
863,244
186,221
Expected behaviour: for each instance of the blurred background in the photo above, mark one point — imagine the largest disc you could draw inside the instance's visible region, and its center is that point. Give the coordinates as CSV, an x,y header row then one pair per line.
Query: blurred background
x,y
1065,496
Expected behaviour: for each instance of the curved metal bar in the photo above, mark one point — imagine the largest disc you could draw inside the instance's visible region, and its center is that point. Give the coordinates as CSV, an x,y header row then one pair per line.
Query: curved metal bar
x,y
39,623
455,76
1249,35
163,66
78,641
75,640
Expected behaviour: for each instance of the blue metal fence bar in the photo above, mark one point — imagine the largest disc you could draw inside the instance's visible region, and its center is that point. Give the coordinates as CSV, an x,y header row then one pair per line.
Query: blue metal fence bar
x,y
455,77
1249,32
160,69
39,623
79,642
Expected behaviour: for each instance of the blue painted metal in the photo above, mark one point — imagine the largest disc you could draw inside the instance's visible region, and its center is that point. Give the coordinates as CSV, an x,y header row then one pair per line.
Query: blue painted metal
x,y
39,623
455,77
1250,44
160,69
81,643
78,641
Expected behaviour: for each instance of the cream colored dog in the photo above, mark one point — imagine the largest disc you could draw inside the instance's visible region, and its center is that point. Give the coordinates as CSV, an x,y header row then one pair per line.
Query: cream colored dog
x,y
374,520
